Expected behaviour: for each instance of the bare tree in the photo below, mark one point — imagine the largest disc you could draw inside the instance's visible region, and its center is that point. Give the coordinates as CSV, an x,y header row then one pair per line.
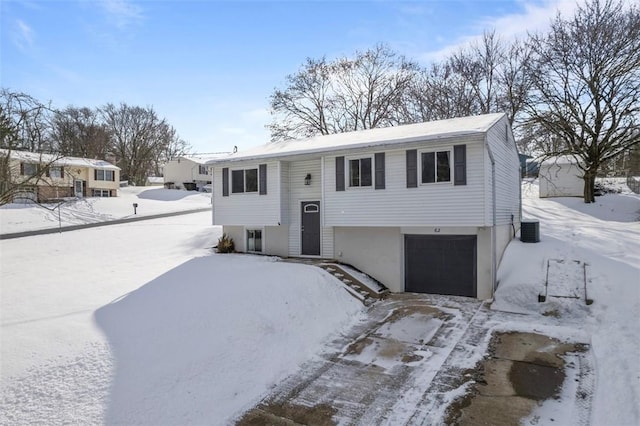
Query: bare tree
x,y
369,90
344,95
171,146
586,79
80,132
24,121
485,77
438,93
24,126
140,140
300,109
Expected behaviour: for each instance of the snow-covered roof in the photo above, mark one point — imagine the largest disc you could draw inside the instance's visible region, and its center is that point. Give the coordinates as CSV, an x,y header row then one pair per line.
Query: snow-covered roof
x,y
431,130
560,159
202,158
35,157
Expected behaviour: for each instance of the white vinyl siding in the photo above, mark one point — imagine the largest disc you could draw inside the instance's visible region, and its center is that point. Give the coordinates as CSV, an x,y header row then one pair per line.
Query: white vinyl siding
x,y
397,205
505,155
299,192
248,209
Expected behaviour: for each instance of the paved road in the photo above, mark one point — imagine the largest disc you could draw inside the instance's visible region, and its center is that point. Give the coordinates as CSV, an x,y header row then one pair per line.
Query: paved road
x,y
96,224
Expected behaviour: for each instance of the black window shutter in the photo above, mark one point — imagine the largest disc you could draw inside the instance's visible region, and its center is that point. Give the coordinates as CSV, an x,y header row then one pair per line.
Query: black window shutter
x,y
379,159
61,172
113,175
225,182
95,174
339,173
262,180
412,168
460,164
22,168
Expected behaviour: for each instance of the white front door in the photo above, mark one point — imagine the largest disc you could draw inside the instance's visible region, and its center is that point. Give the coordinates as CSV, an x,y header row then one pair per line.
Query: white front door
x,y
78,187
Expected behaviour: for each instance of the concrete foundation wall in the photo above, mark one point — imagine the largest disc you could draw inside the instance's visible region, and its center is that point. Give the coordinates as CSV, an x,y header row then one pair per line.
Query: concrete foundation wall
x,y
275,240
484,266
375,251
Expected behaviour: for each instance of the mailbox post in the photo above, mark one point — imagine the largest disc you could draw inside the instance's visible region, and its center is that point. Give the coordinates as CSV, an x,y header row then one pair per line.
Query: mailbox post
x,y
135,206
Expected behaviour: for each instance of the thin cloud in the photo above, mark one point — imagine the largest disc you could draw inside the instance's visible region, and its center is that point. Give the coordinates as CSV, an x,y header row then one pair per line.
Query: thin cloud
x,y
535,16
23,36
121,13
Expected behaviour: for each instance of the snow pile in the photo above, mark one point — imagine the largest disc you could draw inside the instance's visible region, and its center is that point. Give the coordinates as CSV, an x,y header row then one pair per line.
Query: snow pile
x,y
606,237
207,338
150,201
141,324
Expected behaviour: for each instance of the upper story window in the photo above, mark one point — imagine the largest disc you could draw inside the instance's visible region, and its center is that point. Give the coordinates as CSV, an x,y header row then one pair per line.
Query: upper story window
x,y
29,169
203,170
56,172
435,166
360,172
244,180
105,175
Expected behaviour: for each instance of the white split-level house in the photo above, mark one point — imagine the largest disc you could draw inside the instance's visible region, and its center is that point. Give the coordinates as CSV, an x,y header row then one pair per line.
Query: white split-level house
x,y
426,207
188,172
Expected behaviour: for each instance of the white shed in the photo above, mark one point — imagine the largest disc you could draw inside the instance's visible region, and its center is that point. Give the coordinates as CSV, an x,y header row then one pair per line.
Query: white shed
x,y
561,177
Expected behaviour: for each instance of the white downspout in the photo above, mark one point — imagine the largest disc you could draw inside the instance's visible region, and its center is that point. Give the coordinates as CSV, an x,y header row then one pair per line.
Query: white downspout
x,y
494,266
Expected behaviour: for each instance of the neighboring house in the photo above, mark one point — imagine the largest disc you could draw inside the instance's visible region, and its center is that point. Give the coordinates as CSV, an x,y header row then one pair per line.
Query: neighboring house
x,y
64,176
424,207
560,177
187,172
528,166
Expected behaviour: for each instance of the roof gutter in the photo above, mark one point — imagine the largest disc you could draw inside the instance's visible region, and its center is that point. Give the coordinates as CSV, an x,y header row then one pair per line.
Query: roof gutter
x,y
494,265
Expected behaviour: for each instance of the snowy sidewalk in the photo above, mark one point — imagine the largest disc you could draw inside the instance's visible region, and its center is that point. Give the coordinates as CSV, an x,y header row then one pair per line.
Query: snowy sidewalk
x,y
46,231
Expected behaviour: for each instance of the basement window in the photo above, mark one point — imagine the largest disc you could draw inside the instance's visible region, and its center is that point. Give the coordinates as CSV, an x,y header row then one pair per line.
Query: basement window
x,y
254,240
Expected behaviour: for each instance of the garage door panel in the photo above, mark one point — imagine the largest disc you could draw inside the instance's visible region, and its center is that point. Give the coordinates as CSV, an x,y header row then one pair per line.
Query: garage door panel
x,y
441,264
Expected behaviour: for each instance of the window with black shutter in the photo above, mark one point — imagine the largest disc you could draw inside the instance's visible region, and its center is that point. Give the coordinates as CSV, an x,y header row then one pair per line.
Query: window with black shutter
x,y
339,173
380,173
262,170
225,182
460,164
412,168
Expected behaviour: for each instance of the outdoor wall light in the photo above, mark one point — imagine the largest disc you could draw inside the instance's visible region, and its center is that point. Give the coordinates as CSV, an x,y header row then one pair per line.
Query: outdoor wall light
x,y
307,179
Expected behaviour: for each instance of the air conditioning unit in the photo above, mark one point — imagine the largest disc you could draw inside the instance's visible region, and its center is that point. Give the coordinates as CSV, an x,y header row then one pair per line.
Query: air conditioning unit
x,y
530,231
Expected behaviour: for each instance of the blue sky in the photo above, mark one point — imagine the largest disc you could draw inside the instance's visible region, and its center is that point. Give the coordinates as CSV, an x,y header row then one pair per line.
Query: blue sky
x,y
209,67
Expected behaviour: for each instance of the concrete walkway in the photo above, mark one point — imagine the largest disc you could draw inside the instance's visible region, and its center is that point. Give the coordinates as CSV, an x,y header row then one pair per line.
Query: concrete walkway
x,y
9,236
423,359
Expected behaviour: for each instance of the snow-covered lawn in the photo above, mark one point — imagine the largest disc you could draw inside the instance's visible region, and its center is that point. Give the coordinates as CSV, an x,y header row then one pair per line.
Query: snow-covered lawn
x,y
605,236
141,324
150,200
